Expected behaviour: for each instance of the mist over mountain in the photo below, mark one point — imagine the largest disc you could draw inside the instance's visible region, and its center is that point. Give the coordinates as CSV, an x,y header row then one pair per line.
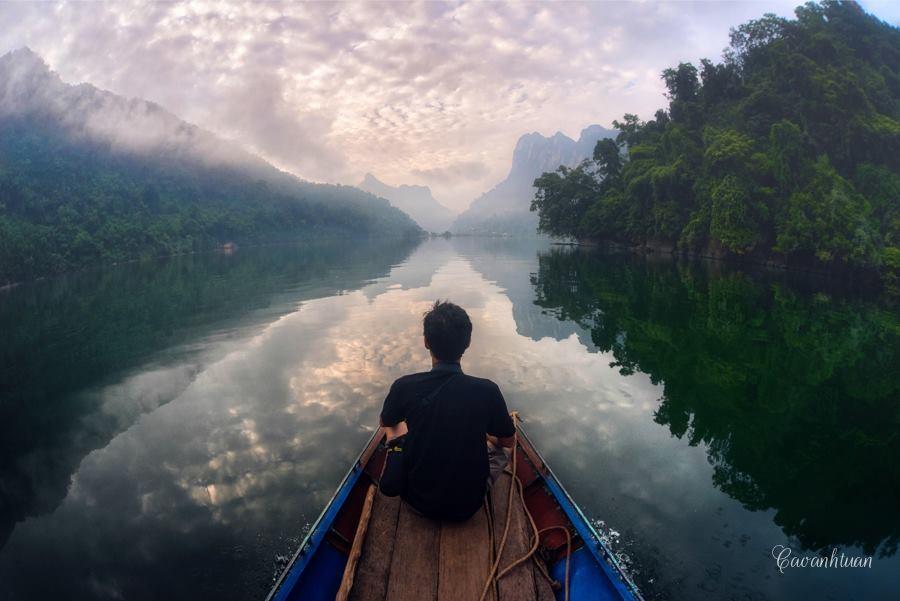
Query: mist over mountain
x,y
415,201
88,176
504,209
28,88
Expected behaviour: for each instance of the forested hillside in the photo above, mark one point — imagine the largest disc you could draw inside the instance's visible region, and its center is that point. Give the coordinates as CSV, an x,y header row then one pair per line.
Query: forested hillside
x,y
88,177
788,150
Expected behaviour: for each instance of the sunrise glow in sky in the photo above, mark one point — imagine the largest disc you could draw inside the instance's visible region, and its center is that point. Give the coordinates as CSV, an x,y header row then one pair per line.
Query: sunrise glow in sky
x,y
427,93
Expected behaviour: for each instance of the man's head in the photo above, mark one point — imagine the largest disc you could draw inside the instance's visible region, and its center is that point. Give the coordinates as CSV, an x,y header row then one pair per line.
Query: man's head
x,y
448,331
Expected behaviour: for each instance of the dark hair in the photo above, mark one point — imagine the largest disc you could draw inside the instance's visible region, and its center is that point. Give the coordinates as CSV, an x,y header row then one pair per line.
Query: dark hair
x,y
448,331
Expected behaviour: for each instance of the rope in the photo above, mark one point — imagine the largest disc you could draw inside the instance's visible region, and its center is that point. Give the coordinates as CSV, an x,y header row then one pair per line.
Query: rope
x,y
496,562
568,550
534,531
516,484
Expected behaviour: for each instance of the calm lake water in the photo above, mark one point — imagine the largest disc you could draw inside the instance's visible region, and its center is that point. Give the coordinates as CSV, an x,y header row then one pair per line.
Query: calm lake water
x,y
169,430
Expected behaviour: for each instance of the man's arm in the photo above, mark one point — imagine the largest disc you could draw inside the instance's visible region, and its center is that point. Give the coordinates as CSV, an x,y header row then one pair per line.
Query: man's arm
x,y
501,429
393,414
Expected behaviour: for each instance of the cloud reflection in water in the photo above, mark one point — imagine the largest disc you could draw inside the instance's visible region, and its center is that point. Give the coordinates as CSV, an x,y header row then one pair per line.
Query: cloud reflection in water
x,y
201,494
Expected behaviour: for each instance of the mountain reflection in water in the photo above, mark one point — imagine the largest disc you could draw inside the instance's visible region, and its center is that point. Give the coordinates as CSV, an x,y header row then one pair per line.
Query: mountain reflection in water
x,y
170,429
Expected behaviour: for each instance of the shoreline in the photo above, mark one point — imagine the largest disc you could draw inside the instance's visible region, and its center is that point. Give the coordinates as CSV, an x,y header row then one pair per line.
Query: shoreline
x,y
870,275
227,248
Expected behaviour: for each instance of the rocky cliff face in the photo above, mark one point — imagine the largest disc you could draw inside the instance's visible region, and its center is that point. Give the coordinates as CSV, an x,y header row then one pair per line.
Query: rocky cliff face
x,y
415,201
505,208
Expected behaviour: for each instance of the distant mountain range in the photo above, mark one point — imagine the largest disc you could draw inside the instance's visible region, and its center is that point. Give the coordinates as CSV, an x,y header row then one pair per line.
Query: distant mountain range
x,y
415,201
504,209
87,176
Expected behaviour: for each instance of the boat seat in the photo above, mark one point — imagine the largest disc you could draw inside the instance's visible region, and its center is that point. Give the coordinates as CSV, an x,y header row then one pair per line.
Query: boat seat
x,y
407,557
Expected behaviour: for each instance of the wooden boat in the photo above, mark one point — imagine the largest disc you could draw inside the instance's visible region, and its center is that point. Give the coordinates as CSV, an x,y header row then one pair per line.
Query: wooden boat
x,y
369,547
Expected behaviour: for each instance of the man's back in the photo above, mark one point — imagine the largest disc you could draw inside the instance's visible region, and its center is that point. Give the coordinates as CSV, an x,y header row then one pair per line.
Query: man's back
x,y
448,415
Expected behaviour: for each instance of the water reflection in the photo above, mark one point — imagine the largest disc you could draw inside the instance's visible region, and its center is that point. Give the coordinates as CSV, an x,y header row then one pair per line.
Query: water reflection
x,y
797,397
229,441
84,355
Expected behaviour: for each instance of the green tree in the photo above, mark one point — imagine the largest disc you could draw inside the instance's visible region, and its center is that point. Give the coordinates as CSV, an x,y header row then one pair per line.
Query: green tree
x,y
66,203
562,198
789,150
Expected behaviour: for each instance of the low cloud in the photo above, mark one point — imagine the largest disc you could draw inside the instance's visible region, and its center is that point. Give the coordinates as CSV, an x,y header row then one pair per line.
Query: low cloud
x,y
258,111
465,170
433,91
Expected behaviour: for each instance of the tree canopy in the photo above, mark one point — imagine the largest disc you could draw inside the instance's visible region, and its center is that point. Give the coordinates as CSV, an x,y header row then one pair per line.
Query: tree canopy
x,y
67,202
787,150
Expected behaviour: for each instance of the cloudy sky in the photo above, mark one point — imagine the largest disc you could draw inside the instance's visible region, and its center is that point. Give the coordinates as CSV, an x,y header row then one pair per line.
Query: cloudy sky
x,y
433,93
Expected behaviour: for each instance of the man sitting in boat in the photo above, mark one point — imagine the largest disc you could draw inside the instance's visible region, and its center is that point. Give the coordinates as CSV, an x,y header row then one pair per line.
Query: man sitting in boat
x,y
437,423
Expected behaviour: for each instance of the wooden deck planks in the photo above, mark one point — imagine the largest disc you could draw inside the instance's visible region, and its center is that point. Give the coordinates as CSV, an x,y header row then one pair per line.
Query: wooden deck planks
x,y
407,557
371,580
520,582
414,565
465,559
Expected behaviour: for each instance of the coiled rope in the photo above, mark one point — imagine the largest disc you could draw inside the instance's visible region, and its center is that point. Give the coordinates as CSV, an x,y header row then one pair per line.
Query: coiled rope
x,y
516,484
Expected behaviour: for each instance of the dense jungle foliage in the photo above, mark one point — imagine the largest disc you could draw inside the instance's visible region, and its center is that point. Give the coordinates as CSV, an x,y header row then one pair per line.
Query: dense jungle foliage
x,y
788,150
66,203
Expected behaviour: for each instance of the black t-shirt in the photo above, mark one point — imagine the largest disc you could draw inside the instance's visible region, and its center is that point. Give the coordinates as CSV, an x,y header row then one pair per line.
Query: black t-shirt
x,y
445,453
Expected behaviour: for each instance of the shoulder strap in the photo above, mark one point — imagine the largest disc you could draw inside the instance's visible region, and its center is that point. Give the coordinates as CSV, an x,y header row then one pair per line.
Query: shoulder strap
x,y
433,394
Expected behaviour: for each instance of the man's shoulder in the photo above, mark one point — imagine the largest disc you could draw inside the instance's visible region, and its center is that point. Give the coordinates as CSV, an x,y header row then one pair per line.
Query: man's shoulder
x,y
482,383
409,379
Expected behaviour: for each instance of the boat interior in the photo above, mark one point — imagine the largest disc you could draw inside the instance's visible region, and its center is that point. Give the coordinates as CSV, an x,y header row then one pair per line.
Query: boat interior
x,y
526,543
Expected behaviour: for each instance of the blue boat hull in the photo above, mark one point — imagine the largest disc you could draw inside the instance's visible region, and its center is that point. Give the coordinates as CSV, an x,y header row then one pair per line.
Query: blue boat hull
x,y
316,570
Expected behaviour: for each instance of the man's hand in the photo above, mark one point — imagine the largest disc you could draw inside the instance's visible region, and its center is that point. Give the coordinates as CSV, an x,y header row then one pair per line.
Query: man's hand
x,y
397,431
506,442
